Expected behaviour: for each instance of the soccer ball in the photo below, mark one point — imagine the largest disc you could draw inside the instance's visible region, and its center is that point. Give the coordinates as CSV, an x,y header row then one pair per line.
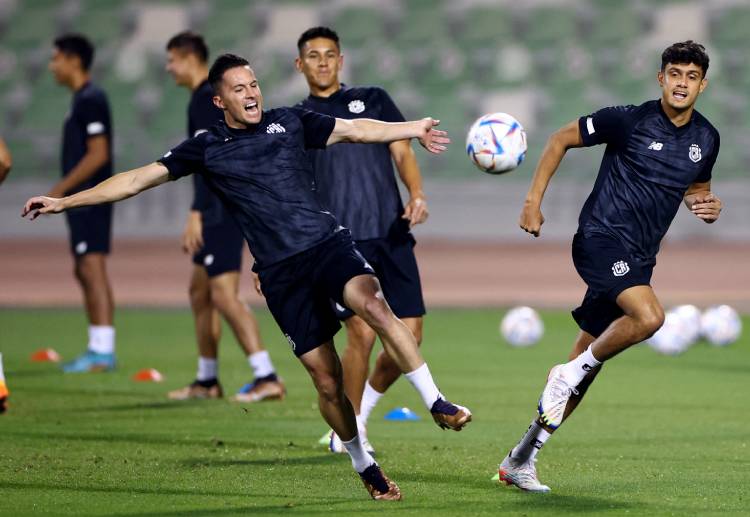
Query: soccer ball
x,y
690,321
522,326
496,143
721,325
670,339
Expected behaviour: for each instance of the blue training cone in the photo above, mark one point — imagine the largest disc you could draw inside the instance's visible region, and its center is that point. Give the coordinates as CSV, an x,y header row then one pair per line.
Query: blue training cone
x,y
402,413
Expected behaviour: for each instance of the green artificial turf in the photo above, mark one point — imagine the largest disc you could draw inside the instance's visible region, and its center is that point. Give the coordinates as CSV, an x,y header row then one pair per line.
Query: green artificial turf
x,y
656,435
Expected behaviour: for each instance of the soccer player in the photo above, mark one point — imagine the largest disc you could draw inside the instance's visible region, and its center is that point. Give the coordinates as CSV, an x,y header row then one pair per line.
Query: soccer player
x,y
5,161
256,163
215,241
86,161
658,154
357,183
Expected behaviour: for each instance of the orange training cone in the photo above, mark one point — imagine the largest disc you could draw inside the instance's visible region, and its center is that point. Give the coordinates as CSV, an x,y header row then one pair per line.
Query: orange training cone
x,y
44,355
148,375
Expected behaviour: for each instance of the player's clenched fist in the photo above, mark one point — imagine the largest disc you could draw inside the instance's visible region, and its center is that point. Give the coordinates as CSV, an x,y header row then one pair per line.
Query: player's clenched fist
x,y
42,205
707,207
531,220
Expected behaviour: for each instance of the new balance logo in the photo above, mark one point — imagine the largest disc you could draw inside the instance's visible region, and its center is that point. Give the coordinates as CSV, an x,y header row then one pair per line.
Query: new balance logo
x,y
656,146
620,268
275,128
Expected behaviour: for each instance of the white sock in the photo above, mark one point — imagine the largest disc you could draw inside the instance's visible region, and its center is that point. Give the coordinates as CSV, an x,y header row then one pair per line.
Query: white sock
x,y
361,459
102,339
421,379
2,373
261,364
531,443
575,370
370,397
208,368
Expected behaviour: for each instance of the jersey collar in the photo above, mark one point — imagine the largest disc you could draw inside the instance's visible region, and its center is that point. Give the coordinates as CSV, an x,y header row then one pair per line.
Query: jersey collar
x,y
670,124
331,98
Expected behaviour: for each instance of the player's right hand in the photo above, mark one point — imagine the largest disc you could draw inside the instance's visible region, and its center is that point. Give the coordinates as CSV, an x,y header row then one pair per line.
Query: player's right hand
x,y
531,219
256,283
39,205
192,237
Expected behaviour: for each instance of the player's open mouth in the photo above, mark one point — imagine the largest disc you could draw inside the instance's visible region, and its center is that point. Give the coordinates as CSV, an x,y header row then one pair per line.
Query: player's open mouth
x,y
251,107
680,95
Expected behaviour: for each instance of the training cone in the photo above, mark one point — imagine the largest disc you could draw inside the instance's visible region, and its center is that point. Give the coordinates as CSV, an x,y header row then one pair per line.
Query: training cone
x,y
148,375
401,413
496,477
325,439
45,355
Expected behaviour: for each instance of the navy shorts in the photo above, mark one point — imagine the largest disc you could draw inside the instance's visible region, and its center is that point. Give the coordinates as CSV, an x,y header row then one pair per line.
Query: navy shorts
x,y
90,229
608,269
222,248
298,290
395,265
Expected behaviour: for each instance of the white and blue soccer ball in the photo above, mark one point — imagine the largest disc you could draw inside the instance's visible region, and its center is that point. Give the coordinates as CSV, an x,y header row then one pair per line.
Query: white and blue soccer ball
x,y
496,143
721,325
522,327
690,322
671,338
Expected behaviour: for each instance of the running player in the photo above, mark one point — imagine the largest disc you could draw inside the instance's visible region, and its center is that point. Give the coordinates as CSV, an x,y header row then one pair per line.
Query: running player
x,y
256,163
658,154
357,182
86,161
214,240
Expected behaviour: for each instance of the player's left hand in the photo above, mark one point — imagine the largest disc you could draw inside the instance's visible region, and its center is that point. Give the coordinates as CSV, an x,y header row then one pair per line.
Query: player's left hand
x,y
416,211
42,205
434,140
707,207
256,283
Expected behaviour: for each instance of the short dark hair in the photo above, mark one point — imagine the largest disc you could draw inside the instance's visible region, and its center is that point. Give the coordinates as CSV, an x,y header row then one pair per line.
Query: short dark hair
x,y
318,32
190,42
223,63
76,45
685,52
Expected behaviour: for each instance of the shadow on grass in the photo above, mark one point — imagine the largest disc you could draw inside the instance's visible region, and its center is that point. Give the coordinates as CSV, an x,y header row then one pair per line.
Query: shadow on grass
x,y
557,504
324,459
142,439
17,485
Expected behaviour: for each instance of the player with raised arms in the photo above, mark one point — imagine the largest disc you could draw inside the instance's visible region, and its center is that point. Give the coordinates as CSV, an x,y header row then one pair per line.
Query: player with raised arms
x,y
658,155
255,161
357,183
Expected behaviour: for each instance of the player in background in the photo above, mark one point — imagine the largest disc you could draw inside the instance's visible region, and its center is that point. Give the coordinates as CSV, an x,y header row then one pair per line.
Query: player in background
x,y
86,161
256,162
658,155
6,162
357,183
215,241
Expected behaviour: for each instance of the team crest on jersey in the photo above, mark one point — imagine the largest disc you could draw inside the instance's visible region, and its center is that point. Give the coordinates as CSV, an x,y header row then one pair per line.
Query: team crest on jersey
x,y
620,268
357,106
275,128
695,153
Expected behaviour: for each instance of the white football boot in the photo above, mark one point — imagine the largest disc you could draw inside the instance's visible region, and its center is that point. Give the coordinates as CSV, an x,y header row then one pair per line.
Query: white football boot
x,y
521,474
555,397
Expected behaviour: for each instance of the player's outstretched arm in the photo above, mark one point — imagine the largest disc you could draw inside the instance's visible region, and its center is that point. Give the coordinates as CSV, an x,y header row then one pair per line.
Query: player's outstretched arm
x,y
120,186
702,202
369,131
568,136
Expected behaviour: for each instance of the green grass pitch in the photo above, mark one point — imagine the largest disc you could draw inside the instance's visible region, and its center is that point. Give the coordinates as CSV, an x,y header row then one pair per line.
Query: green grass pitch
x,y
656,435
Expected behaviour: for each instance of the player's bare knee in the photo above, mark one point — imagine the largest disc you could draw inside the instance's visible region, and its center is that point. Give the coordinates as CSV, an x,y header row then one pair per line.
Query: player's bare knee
x,y
651,321
376,312
330,387
224,299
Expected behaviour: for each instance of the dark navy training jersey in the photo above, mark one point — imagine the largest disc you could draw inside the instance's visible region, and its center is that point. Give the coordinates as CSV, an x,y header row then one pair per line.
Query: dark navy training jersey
x,y
356,181
647,166
89,117
202,114
263,177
